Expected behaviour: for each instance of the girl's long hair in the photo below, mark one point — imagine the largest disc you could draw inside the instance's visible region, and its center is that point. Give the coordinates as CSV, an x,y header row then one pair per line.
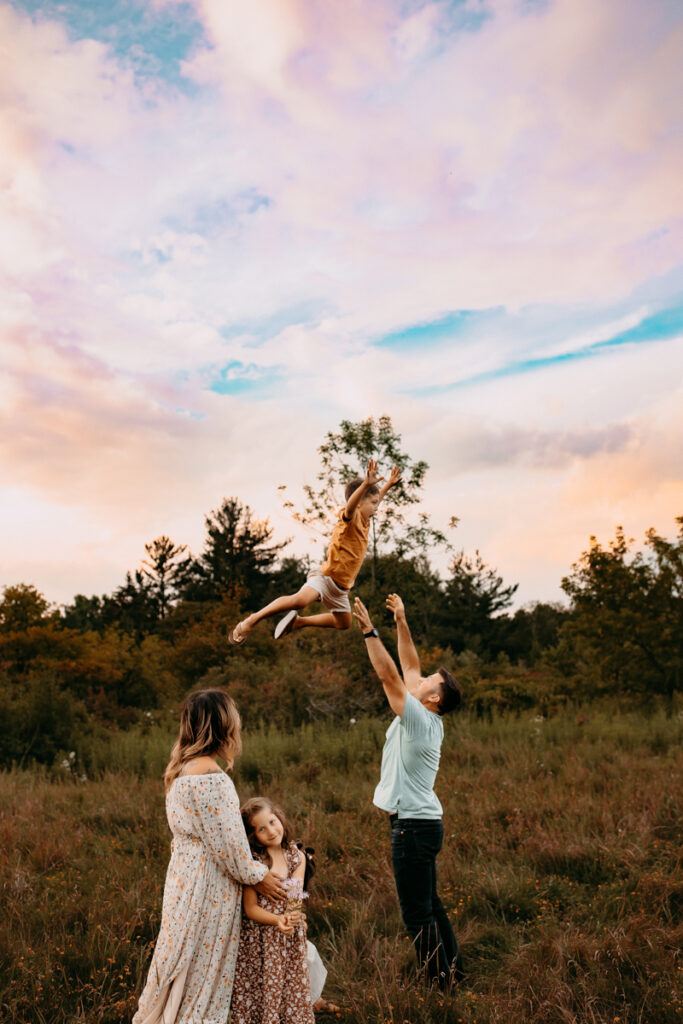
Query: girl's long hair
x,y
210,724
261,803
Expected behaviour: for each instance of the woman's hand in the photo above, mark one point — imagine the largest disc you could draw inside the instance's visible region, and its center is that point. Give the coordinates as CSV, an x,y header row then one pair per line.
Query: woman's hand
x,y
395,605
271,886
282,923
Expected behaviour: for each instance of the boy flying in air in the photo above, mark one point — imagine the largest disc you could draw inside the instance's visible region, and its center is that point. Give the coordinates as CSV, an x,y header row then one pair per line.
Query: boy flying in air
x,y
335,577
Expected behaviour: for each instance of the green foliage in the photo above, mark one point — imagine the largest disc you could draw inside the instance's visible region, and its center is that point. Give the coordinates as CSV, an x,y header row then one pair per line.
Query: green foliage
x,y
626,625
21,607
238,551
559,871
474,595
165,569
38,720
165,630
344,455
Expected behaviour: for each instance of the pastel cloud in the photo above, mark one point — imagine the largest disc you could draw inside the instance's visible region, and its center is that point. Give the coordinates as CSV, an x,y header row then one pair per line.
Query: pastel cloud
x,y
197,275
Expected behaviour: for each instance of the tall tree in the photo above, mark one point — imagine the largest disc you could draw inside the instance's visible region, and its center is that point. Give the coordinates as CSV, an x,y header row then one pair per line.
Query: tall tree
x,y
165,570
474,595
134,606
627,616
21,606
345,454
530,631
238,554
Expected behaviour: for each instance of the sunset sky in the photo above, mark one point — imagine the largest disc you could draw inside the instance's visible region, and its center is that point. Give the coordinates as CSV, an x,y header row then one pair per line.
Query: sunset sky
x,y
226,226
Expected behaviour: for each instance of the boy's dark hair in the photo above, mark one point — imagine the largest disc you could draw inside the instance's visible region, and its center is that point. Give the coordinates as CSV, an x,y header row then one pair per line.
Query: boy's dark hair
x,y
451,693
354,484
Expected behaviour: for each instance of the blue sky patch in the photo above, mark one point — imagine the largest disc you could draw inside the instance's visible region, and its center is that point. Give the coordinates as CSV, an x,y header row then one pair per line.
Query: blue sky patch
x,y
153,41
238,378
215,216
660,326
444,329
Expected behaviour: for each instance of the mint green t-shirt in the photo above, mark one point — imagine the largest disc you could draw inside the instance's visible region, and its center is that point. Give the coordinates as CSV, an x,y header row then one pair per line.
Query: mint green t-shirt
x,y
410,761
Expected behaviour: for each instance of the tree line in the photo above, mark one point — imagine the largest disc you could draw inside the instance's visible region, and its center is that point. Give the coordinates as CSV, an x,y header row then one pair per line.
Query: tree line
x,y
127,657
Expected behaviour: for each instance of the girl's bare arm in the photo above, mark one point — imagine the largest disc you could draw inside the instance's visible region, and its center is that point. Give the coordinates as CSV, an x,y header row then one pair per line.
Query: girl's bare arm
x,y
256,913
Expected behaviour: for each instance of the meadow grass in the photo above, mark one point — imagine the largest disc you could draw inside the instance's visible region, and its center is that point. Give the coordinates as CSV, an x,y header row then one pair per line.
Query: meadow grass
x,y
559,868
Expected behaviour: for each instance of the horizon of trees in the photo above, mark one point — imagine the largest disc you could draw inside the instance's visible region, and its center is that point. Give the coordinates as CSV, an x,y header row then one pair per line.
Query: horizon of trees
x,y
128,656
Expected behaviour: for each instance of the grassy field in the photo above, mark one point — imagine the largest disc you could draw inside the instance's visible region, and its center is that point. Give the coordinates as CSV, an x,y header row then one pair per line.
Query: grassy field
x,y
560,869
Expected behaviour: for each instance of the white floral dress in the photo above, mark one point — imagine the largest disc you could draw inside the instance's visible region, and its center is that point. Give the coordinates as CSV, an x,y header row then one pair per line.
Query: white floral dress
x,y
191,976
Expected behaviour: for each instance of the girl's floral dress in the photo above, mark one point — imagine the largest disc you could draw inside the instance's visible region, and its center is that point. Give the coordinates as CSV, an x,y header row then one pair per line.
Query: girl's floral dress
x,y
271,978
192,971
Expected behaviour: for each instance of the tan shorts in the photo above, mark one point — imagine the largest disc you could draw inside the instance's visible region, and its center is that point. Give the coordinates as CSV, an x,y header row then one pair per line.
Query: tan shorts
x,y
333,597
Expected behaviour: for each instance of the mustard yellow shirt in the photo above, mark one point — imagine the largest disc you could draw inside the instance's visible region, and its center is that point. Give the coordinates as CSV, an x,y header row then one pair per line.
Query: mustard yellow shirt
x,y
347,549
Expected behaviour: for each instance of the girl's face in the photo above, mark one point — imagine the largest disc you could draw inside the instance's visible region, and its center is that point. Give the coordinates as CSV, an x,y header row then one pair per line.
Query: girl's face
x,y
268,830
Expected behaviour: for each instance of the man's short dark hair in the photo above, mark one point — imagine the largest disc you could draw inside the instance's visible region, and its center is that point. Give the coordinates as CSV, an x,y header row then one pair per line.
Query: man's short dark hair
x,y
451,693
354,484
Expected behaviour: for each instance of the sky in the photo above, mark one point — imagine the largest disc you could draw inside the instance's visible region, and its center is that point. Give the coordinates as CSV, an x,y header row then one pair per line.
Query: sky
x,y
225,227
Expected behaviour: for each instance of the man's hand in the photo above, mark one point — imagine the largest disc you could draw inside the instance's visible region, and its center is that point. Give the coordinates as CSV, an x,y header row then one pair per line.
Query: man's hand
x,y
395,605
362,616
371,477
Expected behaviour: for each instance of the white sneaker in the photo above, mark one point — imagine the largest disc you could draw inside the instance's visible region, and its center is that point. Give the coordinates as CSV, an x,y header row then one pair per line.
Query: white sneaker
x,y
285,624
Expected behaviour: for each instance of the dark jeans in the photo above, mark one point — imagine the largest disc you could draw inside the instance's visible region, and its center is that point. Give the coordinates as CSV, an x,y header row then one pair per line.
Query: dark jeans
x,y
415,842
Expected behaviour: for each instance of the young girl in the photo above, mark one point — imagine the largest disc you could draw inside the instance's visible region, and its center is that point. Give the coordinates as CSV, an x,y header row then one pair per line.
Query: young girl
x,y
271,978
191,974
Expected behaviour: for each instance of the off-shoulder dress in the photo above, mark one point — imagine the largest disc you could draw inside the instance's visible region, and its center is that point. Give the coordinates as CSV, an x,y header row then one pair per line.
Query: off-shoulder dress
x,y
192,971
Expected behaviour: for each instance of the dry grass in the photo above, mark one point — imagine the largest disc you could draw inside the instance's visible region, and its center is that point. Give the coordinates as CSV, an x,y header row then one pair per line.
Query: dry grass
x,y
560,870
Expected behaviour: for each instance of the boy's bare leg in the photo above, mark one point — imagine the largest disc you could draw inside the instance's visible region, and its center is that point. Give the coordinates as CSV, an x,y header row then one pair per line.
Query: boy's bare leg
x,y
307,595
326,620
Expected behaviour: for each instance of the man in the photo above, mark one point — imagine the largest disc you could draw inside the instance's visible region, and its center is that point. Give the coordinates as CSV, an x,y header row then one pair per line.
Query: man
x,y
410,761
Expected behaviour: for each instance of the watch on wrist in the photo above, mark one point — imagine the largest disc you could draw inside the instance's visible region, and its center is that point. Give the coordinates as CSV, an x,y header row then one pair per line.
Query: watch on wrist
x,y
373,632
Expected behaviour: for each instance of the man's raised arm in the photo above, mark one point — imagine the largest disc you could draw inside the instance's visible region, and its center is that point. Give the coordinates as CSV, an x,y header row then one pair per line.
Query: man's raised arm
x,y
407,652
382,662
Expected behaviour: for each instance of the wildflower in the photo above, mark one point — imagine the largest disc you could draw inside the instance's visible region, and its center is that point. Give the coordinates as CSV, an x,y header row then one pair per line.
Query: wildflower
x,y
295,894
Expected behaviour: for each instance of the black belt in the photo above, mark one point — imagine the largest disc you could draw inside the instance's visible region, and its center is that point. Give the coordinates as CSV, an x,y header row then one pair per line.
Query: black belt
x,y
393,818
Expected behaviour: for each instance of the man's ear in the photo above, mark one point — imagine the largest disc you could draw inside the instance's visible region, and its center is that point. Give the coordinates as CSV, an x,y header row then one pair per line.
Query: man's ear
x,y
434,700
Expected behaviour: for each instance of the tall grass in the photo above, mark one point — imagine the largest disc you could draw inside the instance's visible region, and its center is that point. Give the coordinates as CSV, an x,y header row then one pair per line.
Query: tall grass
x,y
559,869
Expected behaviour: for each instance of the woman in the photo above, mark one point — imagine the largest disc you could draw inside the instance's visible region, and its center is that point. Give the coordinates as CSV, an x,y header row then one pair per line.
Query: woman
x,y
191,975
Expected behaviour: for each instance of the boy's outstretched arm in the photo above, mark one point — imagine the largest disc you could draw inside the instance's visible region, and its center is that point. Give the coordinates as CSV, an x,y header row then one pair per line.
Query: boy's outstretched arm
x,y
382,662
407,652
370,479
394,478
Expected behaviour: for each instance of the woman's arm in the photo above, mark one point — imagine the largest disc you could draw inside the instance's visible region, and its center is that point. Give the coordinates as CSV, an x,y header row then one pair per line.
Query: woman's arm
x,y
217,814
256,913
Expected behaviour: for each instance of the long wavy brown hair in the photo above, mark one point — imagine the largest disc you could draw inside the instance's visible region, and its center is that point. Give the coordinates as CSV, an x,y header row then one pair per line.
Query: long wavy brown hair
x,y
210,724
